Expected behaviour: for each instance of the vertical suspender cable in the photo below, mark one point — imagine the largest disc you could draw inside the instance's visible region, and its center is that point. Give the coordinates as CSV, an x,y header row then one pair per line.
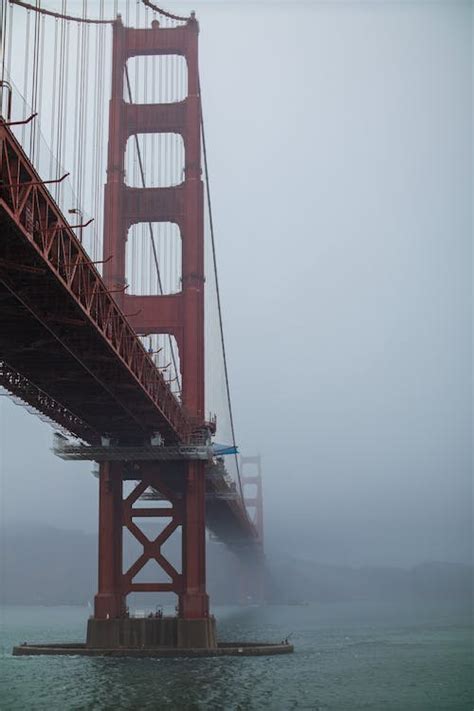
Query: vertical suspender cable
x,y
95,111
83,132
3,42
40,86
34,82
62,69
80,109
136,241
65,104
96,145
11,9
25,74
99,151
53,98
151,138
77,110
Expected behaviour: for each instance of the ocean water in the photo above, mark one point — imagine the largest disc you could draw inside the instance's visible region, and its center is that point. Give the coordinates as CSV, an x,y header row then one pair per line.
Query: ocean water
x,y
348,656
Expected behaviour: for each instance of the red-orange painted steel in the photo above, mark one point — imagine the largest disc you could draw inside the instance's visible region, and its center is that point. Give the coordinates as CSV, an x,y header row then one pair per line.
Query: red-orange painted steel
x,y
67,348
180,315
50,290
109,602
252,569
255,479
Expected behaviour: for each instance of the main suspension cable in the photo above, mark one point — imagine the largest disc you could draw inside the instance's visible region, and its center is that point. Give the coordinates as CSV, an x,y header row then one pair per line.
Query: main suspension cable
x,y
165,13
59,15
219,307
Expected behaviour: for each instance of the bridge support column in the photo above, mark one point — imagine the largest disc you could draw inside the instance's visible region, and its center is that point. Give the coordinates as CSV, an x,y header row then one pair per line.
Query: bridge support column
x,y
110,602
194,601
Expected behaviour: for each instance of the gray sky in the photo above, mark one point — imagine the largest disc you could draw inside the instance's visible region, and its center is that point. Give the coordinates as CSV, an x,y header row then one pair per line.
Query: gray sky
x,y
340,150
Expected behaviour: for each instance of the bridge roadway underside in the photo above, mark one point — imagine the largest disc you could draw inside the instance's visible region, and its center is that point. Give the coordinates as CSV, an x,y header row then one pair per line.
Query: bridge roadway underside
x,y
45,337
227,520
48,343
66,348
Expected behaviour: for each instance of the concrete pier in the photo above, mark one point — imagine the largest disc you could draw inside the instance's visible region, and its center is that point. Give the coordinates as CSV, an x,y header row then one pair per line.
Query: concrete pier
x,y
153,637
233,649
151,633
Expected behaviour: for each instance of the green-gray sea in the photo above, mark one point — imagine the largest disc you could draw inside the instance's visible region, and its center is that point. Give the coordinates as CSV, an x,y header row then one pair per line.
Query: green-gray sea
x,y
348,656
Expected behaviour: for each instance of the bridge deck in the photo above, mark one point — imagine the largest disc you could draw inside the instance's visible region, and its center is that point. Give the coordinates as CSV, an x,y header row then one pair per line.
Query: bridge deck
x,y
61,329
68,350
226,518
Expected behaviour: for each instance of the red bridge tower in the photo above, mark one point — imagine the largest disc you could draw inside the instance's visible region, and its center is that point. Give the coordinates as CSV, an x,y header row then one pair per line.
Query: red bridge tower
x,y
180,315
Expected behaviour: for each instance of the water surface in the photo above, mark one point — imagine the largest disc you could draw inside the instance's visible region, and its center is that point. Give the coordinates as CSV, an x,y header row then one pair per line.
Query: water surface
x,y
348,656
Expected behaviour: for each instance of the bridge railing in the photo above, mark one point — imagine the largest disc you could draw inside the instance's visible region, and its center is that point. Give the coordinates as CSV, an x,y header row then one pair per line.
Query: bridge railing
x,y
17,111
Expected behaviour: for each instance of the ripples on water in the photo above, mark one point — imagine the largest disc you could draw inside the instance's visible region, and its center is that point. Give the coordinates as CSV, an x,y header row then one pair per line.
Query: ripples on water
x,y
381,657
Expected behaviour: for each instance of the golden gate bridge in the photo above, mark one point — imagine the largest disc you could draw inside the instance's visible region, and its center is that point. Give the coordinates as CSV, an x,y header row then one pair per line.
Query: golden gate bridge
x,y
111,323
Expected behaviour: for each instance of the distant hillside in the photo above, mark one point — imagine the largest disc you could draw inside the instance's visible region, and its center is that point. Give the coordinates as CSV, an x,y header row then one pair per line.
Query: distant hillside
x,y
297,580
47,566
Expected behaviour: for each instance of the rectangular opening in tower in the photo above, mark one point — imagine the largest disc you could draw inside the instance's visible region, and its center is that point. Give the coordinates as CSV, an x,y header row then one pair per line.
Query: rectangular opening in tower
x,y
250,497
156,79
153,258
154,160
